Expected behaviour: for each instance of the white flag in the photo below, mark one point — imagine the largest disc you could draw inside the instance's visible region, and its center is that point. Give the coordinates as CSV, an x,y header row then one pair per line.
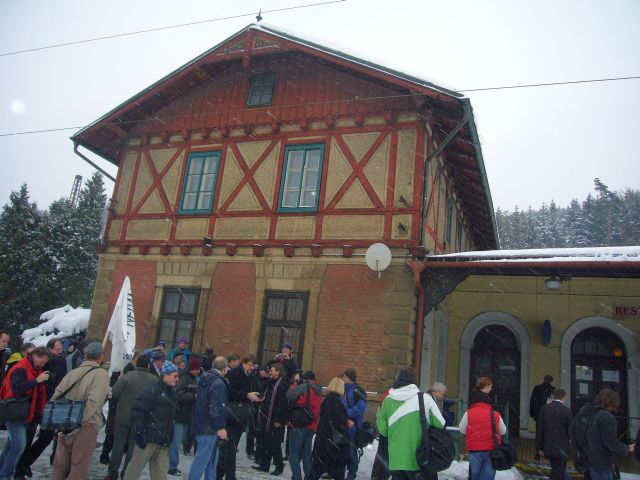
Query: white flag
x,y
122,328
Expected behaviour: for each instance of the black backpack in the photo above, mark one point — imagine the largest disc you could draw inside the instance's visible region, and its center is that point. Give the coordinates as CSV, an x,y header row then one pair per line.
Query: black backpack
x,y
437,451
365,435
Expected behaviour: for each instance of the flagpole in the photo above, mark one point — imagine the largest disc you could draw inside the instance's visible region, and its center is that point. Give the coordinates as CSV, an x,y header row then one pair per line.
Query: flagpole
x,y
106,337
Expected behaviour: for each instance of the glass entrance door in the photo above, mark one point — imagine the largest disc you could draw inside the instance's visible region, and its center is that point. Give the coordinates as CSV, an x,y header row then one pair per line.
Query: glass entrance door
x,y
598,361
496,354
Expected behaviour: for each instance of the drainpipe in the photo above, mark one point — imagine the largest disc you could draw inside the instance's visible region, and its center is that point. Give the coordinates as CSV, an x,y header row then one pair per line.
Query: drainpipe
x,y
417,267
102,171
466,106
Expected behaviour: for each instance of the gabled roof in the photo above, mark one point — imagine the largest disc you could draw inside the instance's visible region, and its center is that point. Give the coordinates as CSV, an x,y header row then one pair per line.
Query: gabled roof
x,y
106,136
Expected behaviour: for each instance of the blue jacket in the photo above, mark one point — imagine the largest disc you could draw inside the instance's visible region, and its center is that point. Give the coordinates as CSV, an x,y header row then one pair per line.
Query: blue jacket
x,y
185,354
355,402
211,408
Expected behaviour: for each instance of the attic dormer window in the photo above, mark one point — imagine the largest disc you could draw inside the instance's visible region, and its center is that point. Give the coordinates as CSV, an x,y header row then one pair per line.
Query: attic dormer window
x,y
261,89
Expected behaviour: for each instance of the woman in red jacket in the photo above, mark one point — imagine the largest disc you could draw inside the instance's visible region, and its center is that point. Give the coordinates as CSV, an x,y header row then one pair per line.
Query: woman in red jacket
x,y
476,425
26,379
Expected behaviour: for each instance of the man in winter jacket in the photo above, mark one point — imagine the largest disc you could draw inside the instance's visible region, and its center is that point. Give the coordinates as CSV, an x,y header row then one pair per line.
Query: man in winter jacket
x,y
540,396
593,435
152,417
181,349
127,389
399,421
307,395
242,392
4,353
552,434
90,384
272,418
25,379
355,401
186,397
209,419
57,368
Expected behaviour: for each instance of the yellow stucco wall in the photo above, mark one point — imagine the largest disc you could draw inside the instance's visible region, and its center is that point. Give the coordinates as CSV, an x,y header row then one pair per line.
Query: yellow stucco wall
x,y
528,301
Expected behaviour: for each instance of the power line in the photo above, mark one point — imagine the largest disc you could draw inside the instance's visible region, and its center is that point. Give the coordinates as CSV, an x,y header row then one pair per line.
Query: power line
x,y
360,99
168,27
547,84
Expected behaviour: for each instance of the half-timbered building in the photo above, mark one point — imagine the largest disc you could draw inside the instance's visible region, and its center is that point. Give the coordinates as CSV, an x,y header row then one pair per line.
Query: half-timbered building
x,y
252,180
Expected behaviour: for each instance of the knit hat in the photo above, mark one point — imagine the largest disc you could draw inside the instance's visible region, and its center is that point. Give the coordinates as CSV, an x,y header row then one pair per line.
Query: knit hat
x,y
351,373
287,345
309,375
182,340
168,368
195,363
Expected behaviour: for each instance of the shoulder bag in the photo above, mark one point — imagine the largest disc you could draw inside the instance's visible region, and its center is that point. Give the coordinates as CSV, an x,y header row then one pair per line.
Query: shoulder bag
x,y
504,456
63,414
15,409
437,451
302,416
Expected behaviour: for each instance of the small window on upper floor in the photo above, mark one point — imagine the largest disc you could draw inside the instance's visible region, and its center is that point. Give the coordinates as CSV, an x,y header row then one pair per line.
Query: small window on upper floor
x,y
301,175
261,89
199,183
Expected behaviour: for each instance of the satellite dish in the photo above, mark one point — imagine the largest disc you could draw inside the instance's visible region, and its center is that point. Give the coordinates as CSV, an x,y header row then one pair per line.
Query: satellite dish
x,y
378,257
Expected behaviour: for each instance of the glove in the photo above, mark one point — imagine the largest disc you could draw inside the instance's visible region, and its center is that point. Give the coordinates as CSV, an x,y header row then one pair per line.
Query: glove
x,y
141,439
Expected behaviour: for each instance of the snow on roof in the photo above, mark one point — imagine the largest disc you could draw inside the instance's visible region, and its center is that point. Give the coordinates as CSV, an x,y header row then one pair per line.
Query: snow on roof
x,y
58,323
594,254
348,53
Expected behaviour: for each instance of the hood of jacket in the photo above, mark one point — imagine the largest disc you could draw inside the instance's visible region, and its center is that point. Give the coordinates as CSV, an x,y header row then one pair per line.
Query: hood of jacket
x,y
403,394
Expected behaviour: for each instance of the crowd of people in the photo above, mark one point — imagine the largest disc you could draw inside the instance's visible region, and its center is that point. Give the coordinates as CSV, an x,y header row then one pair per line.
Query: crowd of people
x,y
164,403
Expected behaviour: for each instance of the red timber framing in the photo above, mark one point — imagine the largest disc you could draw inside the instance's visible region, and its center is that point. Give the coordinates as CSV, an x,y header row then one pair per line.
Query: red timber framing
x,y
326,207
314,84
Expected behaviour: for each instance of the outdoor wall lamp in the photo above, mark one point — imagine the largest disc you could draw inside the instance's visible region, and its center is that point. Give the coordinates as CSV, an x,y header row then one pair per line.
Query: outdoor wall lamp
x,y
207,241
553,283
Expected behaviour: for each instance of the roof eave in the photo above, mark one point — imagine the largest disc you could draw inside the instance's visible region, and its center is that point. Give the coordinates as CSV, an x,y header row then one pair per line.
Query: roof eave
x,y
475,140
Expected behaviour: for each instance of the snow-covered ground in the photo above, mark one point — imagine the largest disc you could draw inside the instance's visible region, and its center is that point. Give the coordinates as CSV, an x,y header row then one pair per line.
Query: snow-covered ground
x,y
458,471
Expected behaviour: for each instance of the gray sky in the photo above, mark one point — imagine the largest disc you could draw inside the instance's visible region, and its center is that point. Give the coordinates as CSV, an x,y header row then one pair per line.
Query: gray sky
x,y
538,143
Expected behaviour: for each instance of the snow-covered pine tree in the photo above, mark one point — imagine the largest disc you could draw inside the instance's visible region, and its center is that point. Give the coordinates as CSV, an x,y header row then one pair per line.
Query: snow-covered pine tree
x,y
72,235
23,272
90,218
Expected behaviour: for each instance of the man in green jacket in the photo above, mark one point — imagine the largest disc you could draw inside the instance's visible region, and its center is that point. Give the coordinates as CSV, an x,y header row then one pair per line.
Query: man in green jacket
x,y
125,391
399,421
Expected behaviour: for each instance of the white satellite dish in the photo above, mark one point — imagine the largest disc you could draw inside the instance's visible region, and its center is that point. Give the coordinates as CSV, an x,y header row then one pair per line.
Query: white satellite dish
x,y
378,257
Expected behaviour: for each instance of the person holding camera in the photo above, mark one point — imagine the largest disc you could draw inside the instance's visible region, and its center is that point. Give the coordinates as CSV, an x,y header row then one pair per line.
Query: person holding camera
x,y
25,379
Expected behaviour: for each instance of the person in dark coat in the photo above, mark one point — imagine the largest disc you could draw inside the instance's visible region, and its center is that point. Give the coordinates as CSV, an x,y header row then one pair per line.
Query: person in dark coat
x,y
552,434
209,419
152,417
242,392
540,396
186,397
272,418
285,358
125,392
329,456
57,368
4,353
593,435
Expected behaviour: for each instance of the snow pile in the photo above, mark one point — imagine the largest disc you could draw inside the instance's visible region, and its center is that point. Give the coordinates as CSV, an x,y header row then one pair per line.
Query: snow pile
x,y
58,323
593,254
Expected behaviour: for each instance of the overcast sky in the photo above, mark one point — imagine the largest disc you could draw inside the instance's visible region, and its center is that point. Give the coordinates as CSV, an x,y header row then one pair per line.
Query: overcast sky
x,y
538,143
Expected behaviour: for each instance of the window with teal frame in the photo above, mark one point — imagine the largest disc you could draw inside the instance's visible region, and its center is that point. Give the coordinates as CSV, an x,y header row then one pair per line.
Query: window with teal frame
x,y
302,172
458,236
449,221
199,183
